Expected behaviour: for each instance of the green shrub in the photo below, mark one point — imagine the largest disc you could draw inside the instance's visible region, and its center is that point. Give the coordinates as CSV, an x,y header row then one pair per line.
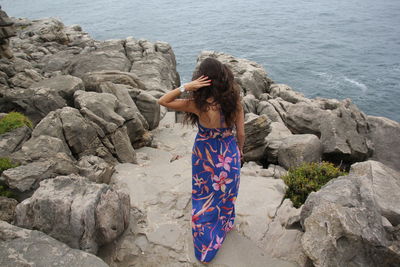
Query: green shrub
x,y
5,163
308,177
12,121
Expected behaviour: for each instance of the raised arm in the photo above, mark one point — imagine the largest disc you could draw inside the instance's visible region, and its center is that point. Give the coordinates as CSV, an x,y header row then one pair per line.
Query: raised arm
x,y
239,123
170,100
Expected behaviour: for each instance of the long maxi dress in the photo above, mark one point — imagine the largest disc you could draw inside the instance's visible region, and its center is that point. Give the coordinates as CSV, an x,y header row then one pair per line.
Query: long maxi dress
x,y
215,184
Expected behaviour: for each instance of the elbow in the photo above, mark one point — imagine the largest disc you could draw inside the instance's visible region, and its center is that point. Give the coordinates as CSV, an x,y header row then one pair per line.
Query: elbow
x,y
160,102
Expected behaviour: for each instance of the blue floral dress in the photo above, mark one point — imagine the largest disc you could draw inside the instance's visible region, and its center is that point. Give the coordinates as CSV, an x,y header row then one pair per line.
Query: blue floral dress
x,y
215,184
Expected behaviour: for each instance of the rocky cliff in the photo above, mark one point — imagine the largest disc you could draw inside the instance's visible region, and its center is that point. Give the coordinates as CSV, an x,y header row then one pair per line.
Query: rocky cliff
x,y
106,171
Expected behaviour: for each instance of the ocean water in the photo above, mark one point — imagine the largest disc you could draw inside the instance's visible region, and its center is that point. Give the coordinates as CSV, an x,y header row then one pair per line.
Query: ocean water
x,y
335,49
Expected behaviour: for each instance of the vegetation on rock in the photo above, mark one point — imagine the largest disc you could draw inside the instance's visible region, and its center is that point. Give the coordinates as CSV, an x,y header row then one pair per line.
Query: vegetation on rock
x,y
5,163
12,121
308,177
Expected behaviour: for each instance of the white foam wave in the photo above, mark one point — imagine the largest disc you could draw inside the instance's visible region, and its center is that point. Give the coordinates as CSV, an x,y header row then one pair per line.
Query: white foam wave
x,y
360,85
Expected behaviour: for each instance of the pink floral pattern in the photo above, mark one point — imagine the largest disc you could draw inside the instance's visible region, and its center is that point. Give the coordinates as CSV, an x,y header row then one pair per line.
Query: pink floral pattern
x,y
215,184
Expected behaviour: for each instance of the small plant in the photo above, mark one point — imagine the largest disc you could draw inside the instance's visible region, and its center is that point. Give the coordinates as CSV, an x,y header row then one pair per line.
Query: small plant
x,y
5,163
308,177
12,121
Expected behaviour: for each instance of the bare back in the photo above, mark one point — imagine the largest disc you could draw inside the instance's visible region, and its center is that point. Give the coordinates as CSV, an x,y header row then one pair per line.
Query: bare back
x,y
212,118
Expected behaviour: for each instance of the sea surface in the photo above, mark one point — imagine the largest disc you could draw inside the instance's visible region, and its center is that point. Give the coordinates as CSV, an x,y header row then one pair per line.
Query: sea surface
x,y
334,49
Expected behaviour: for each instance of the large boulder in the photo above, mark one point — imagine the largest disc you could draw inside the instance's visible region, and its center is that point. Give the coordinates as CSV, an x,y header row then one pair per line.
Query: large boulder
x,y
154,64
274,140
286,93
354,220
12,141
148,107
23,247
7,208
76,211
256,128
251,76
298,148
92,80
385,135
342,130
65,85
108,55
34,103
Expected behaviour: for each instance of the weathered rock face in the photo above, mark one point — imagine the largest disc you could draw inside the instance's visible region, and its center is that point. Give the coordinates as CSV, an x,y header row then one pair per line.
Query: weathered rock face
x,y
13,140
155,65
7,209
78,212
354,220
256,128
251,76
385,135
23,247
299,148
6,31
95,169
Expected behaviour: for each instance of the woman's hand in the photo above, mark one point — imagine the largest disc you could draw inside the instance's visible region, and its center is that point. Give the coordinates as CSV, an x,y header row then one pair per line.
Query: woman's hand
x,y
200,82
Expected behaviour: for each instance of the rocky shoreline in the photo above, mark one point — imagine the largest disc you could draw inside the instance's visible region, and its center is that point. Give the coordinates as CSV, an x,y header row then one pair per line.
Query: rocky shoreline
x,y
104,169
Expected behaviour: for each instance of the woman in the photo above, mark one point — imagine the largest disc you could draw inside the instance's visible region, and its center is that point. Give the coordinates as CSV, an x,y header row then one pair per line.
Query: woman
x,y
214,105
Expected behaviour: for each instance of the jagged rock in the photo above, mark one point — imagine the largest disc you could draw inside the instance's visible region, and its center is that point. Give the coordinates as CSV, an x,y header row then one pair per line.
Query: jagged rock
x,y
274,140
299,148
264,107
286,93
34,103
41,147
12,141
78,212
79,135
27,177
154,64
250,103
7,30
65,85
354,219
256,128
149,108
282,239
23,247
25,78
122,145
251,76
342,130
95,169
7,208
92,80
385,135
108,55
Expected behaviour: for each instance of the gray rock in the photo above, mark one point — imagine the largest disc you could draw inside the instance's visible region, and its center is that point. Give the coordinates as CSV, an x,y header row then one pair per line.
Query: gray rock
x,y
299,148
95,169
41,147
100,108
44,30
92,80
274,140
251,76
256,128
343,221
34,103
25,78
286,93
23,247
154,64
12,141
250,104
149,108
342,130
123,147
109,55
264,107
65,85
78,212
7,208
385,135
27,177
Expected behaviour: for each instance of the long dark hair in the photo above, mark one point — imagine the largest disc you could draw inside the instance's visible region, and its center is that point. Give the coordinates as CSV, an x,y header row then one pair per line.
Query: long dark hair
x,y
223,90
